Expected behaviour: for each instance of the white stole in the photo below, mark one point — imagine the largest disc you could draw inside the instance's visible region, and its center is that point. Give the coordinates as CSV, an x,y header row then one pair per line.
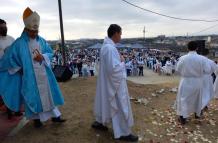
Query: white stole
x,y
41,78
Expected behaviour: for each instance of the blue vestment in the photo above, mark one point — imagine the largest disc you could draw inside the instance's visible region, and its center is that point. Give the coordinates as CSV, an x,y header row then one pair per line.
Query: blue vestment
x,y
10,92
18,56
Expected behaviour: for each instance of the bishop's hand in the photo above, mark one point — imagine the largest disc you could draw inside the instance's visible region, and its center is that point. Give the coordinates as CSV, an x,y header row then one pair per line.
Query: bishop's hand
x,y
39,58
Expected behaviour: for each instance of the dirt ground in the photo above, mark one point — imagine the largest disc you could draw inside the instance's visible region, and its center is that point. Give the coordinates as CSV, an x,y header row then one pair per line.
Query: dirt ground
x,y
155,119
151,77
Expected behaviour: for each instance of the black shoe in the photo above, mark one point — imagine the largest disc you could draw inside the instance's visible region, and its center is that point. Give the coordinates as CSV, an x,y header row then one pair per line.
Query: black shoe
x,y
9,113
37,123
182,120
205,108
18,114
129,138
99,126
9,116
198,117
58,120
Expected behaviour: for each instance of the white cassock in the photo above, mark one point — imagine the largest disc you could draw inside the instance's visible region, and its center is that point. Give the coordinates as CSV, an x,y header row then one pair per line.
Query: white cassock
x,y
168,67
5,42
208,91
43,86
191,67
112,98
216,83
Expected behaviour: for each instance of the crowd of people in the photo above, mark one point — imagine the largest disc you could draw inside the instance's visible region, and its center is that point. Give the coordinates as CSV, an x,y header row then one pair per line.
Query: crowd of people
x,y
164,63
82,62
85,61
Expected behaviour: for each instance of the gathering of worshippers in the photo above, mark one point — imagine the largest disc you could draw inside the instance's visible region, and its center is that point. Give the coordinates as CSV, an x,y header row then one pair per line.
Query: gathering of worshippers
x,y
26,67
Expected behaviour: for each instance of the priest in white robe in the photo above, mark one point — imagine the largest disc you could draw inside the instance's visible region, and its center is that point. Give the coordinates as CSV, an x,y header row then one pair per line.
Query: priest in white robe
x,y
5,39
112,101
5,42
208,91
191,67
215,86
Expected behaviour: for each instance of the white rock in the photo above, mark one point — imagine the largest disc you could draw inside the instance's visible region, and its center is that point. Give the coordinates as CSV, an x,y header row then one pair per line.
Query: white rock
x,y
161,91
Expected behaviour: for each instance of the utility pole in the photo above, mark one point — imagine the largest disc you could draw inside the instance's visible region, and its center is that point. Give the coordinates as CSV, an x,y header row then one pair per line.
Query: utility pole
x,y
144,34
62,33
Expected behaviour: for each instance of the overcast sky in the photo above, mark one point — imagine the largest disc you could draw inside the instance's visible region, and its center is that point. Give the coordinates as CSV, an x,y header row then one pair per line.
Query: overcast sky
x,y
91,18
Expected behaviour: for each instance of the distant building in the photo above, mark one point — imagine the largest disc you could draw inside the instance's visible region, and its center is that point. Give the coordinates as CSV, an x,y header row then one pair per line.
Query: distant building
x,y
161,37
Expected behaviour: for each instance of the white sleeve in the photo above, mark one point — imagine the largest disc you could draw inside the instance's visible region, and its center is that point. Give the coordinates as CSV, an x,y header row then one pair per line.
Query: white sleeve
x,y
46,61
216,70
13,71
122,66
207,67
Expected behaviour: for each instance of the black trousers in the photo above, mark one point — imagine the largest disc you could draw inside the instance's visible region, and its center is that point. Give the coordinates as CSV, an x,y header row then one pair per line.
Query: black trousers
x,y
128,72
92,72
80,71
141,71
